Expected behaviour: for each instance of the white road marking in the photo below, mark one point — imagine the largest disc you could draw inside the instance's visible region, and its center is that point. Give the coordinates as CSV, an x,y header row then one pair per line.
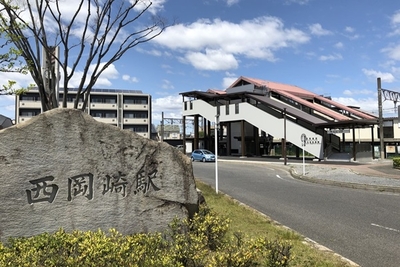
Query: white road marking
x,y
287,179
386,228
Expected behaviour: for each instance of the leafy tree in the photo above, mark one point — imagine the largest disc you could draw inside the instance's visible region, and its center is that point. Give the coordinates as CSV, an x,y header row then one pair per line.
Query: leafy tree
x,y
72,35
10,61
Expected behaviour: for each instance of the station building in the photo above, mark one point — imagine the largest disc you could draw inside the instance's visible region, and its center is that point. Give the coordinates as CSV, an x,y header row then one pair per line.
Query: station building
x,y
255,117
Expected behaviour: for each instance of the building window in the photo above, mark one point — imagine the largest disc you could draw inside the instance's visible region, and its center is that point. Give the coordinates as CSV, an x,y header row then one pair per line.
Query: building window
x,y
29,113
104,114
103,99
137,128
388,132
30,97
136,115
227,109
135,100
96,114
110,100
110,115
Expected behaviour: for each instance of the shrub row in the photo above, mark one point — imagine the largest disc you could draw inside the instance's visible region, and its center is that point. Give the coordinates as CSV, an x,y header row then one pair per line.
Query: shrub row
x,y
201,241
396,163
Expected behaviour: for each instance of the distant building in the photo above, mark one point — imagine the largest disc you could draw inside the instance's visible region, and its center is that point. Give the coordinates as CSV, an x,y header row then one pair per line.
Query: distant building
x,y
5,122
125,109
169,132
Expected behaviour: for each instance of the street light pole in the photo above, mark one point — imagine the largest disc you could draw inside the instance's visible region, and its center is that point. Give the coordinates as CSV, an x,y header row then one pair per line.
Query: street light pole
x,y
216,152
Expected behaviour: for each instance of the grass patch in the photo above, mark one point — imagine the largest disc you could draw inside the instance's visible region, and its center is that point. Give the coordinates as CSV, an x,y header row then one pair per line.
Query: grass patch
x,y
253,224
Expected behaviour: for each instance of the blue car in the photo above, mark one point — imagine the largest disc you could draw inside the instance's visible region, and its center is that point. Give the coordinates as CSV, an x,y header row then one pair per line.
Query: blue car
x,y
202,155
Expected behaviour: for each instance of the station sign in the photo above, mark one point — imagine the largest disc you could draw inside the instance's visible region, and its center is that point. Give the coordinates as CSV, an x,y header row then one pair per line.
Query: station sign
x,y
338,131
305,140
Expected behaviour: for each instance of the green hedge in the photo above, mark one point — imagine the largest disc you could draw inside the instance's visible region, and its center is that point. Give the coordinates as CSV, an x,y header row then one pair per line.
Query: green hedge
x,y
201,241
396,163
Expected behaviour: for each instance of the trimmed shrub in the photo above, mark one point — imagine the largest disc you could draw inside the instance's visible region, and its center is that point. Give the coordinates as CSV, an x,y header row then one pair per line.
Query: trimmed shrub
x,y
198,242
396,163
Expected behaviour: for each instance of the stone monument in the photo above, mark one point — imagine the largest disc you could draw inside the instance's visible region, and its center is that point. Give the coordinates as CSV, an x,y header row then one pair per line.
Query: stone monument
x,y
63,169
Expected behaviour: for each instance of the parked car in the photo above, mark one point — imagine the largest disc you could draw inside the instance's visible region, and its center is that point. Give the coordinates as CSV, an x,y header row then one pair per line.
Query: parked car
x,y
202,155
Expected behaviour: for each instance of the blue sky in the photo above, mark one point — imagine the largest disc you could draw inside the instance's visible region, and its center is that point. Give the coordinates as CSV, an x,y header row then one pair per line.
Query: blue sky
x,y
333,48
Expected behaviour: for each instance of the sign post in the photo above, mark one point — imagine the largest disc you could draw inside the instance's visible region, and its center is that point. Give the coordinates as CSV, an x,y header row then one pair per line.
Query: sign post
x,y
303,144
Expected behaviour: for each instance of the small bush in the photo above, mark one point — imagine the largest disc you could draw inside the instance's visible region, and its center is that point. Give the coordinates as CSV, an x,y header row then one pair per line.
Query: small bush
x,y
396,163
201,241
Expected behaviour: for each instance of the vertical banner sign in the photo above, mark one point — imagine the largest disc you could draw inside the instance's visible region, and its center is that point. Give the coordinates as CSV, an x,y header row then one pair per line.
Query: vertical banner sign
x,y
303,144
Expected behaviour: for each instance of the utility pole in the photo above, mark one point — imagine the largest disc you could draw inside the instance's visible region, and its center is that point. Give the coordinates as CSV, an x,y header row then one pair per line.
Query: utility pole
x,y
388,95
382,143
162,127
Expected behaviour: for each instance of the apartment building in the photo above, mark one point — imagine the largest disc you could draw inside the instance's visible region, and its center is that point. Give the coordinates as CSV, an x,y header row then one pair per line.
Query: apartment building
x,y
125,109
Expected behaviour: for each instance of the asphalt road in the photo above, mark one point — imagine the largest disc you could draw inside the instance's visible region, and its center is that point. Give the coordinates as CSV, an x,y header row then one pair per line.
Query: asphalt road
x,y
363,226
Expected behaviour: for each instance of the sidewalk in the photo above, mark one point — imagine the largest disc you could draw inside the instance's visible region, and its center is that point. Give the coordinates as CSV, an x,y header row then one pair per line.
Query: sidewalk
x,y
376,175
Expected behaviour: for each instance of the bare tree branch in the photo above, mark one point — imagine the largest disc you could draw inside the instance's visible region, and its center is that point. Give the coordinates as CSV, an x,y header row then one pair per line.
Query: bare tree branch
x,y
91,38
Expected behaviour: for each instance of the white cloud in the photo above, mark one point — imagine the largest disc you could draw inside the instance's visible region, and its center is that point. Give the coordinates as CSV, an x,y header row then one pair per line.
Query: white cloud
x,y
156,5
339,45
350,33
385,76
20,79
349,29
170,105
395,22
212,60
227,81
396,17
218,40
128,78
104,80
393,52
331,57
368,104
300,2
232,2
358,92
167,85
152,52
316,29
7,106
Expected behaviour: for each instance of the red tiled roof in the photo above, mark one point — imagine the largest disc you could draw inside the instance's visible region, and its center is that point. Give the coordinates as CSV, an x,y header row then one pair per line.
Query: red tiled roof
x,y
330,113
299,95
295,90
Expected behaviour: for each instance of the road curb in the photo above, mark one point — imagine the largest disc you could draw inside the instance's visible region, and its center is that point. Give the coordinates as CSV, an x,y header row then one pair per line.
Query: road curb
x,y
378,188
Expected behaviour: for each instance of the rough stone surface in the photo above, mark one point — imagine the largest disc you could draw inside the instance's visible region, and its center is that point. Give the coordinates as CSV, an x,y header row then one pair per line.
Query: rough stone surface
x,y
63,169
